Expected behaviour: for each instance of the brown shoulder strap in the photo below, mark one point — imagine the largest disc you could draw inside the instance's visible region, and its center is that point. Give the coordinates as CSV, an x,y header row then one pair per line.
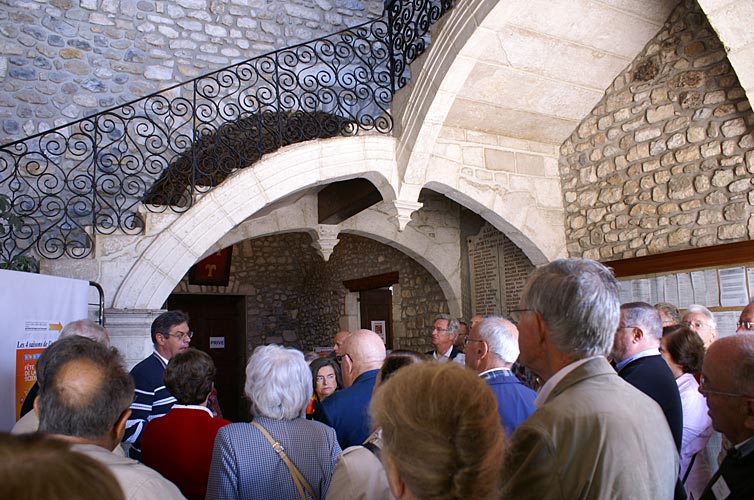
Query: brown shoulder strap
x,y
298,479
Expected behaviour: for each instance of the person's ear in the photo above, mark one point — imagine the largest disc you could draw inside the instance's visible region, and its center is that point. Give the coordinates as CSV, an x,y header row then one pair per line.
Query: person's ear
x,y
397,486
637,334
543,332
484,349
748,413
36,406
119,429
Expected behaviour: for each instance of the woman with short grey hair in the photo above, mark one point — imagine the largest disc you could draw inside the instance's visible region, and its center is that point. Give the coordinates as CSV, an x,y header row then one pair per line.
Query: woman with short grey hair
x,y
244,463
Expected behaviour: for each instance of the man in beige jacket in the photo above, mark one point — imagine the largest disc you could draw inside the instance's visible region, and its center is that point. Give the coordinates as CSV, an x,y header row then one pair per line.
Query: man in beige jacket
x,y
593,435
84,398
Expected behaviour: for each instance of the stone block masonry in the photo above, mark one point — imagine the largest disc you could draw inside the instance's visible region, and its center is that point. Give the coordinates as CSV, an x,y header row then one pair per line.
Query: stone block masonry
x,y
295,298
665,161
61,60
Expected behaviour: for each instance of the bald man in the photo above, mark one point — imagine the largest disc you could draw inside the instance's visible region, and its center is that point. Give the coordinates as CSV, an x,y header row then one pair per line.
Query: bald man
x,y
362,355
84,398
746,319
728,385
338,341
82,327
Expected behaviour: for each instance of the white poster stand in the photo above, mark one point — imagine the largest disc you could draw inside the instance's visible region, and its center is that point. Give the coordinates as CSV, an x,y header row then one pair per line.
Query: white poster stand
x,y
34,308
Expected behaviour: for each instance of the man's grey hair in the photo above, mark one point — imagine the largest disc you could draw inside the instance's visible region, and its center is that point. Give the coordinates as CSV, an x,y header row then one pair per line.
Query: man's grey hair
x,y
501,337
91,414
278,383
88,329
669,310
644,316
579,301
454,328
700,309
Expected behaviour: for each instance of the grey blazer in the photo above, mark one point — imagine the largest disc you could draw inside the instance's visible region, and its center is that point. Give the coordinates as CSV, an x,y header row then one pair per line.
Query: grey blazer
x,y
595,437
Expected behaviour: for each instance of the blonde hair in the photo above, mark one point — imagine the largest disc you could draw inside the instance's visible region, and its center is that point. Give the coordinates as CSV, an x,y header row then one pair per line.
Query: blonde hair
x,y
34,467
446,444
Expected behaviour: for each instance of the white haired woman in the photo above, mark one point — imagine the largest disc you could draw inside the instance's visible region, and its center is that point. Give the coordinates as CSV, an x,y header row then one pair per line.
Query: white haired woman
x,y
244,463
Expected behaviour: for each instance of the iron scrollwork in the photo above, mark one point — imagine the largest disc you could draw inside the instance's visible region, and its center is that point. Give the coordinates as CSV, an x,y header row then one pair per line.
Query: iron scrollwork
x,y
60,187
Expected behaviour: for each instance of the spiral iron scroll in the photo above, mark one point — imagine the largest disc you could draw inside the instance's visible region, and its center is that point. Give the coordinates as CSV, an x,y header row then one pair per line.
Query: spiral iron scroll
x,y
60,187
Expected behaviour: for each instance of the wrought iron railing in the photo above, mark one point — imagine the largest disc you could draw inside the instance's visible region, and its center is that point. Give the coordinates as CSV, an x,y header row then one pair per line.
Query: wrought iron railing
x,y
92,175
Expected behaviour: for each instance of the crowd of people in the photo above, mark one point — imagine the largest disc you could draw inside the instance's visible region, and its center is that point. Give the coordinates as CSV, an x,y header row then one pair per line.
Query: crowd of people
x,y
574,395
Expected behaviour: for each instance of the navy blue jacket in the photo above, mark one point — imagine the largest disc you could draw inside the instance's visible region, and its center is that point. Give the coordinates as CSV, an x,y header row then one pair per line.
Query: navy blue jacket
x,y
652,376
346,410
515,401
737,471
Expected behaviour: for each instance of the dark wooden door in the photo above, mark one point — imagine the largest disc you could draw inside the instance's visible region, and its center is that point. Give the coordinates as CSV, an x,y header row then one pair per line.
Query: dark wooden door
x,y
220,317
377,305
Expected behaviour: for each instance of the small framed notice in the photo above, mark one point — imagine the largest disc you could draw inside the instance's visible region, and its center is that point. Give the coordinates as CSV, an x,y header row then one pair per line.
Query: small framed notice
x,y
378,327
217,342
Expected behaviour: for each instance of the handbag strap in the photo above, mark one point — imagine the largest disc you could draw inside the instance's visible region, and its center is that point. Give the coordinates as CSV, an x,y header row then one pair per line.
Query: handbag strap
x,y
691,465
298,479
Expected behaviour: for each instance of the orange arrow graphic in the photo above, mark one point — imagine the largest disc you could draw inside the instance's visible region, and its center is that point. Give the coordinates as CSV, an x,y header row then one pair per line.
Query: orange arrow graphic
x,y
56,326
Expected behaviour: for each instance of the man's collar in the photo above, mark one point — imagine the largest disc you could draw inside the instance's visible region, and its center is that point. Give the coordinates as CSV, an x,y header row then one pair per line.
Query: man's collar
x,y
641,354
546,389
437,355
164,360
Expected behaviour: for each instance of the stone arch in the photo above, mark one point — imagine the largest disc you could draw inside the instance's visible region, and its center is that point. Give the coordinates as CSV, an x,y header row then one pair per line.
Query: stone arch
x,y
728,19
473,32
440,258
169,255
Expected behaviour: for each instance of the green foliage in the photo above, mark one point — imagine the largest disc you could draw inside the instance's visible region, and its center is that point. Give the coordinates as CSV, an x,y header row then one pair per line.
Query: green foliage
x,y
9,222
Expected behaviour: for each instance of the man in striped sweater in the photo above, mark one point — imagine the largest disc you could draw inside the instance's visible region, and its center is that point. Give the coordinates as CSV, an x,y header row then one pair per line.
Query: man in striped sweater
x,y
170,335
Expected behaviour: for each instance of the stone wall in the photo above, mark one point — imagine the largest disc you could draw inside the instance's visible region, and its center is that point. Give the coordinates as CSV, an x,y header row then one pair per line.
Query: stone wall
x,y
665,160
61,60
295,298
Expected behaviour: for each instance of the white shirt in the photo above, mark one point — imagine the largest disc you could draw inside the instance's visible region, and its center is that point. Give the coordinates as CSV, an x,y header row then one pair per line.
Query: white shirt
x,y
546,389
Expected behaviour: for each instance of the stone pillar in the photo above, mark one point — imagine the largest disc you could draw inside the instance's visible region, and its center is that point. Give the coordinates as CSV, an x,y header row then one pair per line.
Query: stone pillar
x,y
350,320
129,331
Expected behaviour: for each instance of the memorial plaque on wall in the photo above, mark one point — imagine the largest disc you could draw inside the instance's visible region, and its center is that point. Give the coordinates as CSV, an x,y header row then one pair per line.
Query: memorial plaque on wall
x,y
487,272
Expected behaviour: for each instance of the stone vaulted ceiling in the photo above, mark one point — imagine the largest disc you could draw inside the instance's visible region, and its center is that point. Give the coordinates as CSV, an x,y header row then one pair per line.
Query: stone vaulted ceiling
x,y
541,66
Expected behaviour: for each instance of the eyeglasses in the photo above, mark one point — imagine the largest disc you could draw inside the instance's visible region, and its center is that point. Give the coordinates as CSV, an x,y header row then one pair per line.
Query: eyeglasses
x,y
746,325
516,314
441,330
627,327
179,335
703,389
469,339
321,378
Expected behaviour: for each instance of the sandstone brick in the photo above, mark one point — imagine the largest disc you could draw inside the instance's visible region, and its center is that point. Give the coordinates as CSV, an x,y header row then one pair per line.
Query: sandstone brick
x,y
676,141
722,178
740,186
724,110
680,187
680,236
734,211
733,127
660,113
646,134
731,232
696,134
715,198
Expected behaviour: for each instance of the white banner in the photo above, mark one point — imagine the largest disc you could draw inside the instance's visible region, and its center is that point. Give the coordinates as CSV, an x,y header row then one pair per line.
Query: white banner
x,y
34,308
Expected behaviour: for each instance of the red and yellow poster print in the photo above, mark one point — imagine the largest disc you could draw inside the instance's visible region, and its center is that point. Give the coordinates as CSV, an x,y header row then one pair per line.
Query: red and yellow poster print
x,y
26,374
37,336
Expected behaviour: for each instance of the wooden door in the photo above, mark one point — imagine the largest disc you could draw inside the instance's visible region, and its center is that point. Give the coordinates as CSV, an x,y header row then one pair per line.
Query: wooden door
x,y
377,305
220,317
